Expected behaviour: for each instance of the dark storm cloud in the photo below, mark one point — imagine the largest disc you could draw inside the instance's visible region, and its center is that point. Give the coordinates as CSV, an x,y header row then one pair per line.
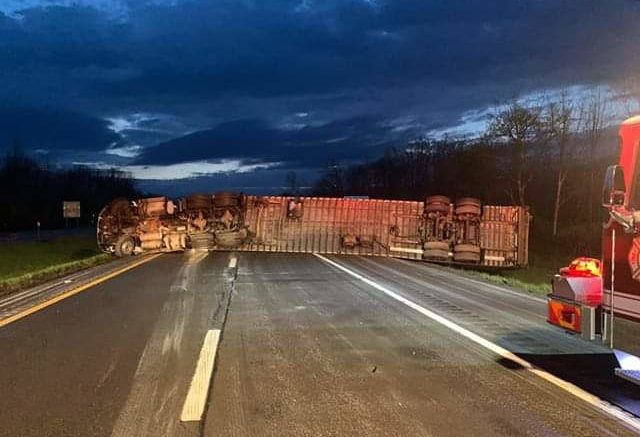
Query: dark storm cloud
x,y
279,48
67,37
190,51
53,129
420,63
254,141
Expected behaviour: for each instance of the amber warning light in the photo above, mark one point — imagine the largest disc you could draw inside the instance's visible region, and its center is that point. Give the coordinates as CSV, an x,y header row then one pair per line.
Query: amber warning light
x,y
582,267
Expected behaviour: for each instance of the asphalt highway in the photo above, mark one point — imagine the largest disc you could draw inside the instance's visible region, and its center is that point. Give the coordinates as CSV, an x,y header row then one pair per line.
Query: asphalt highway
x,y
116,359
308,347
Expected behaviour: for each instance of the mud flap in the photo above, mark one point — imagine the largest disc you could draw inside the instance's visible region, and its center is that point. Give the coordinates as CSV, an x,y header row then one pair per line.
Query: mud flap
x,y
566,315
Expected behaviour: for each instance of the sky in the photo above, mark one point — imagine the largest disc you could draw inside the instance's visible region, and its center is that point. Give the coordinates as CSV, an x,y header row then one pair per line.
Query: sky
x,y
191,95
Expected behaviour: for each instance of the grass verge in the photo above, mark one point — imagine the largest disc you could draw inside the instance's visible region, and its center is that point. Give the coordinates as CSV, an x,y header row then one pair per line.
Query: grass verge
x,y
26,264
546,256
534,279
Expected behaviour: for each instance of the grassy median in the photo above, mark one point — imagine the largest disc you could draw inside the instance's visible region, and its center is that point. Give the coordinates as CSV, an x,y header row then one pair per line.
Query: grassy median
x,y
27,263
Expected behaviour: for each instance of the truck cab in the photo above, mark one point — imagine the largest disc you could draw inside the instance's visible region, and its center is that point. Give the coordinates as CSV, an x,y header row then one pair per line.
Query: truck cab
x,y
614,317
621,244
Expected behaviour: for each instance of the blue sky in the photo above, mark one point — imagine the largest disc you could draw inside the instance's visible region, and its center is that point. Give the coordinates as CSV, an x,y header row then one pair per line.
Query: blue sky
x,y
193,95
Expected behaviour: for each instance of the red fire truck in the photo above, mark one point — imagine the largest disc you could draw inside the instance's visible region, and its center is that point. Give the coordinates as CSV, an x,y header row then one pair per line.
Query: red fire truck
x,y
600,299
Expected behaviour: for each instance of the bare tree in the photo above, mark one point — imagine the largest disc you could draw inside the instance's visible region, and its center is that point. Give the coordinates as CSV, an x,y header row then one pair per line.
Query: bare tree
x,y
594,121
332,182
559,123
629,94
292,183
520,127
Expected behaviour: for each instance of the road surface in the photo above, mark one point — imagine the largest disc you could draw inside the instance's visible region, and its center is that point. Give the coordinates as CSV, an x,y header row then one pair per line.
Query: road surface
x,y
307,348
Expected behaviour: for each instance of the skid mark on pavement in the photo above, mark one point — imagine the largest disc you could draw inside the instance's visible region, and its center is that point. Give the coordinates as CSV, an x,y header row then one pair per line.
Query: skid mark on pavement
x,y
107,374
194,257
158,374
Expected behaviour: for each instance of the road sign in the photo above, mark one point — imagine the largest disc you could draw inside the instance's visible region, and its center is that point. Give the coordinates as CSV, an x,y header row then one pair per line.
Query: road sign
x,y
71,209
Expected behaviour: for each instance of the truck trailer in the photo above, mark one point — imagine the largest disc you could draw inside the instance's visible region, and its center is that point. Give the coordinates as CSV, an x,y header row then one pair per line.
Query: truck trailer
x,y
437,229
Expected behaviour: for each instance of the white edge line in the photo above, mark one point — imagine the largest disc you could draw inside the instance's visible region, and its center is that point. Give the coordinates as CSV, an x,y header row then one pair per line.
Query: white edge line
x,y
576,391
196,399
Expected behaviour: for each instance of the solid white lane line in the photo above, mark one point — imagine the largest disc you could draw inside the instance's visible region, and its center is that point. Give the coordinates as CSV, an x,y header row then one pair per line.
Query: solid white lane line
x,y
233,262
198,390
591,399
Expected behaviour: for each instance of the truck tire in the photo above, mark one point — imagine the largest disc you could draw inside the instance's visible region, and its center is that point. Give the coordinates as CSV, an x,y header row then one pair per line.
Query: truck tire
x,y
438,199
466,253
124,246
466,257
436,245
437,204
466,248
202,241
226,199
442,255
468,206
229,240
198,201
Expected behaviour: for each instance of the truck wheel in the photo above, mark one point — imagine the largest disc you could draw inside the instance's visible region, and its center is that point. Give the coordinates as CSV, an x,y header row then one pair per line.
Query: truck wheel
x,y
468,205
436,245
437,204
124,246
466,257
438,199
466,253
202,241
472,248
229,240
437,254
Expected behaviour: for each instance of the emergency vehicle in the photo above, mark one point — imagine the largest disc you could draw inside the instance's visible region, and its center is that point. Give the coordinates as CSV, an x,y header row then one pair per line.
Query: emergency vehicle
x,y
600,299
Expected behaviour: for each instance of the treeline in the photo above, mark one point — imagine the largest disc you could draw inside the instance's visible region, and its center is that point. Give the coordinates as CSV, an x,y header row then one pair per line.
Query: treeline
x,y
32,192
550,157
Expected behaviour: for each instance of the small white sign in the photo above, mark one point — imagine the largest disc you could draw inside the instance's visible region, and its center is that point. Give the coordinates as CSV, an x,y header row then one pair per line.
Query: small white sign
x,y
71,209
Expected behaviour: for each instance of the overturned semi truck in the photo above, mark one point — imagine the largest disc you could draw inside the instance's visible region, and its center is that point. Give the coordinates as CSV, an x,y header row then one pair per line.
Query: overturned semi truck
x,y
437,229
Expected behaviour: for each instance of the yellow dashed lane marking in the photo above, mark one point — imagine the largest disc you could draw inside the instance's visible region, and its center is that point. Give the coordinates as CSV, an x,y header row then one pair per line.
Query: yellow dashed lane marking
x,y
74,291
